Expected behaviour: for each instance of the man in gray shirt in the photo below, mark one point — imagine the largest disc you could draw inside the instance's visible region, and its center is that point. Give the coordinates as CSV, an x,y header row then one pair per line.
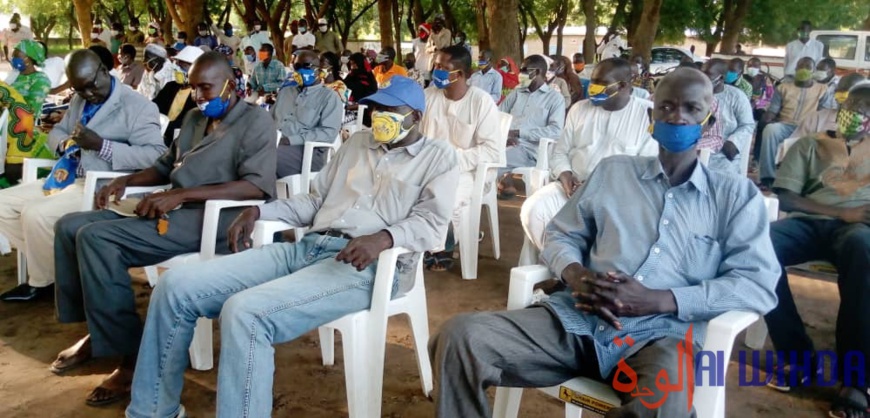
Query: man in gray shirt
x,y
388,187
646,249
538,111
226,150
305,111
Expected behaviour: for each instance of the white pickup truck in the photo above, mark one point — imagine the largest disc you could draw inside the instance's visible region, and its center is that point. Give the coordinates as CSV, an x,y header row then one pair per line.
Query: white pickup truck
x,y
850,49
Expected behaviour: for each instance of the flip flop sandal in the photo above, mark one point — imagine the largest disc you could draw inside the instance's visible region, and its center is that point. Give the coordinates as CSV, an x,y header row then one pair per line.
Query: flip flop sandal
x,y
107,400
850,402
62,366
443,264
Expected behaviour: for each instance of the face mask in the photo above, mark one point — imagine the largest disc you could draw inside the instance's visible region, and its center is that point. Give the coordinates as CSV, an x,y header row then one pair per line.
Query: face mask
x,y
579,67
115,33
18,64
598,93
851,124
181,76
257,28
803,35
215,108
505,68
181,40
551,74
381,59
803,75
250,57
388,127
305,77
263,55
303,29
95,35
525,80
820,75
203,33
323,29
752,71
228,32
677,138
133,28
841,96
152,31
731,77
441,78
345,60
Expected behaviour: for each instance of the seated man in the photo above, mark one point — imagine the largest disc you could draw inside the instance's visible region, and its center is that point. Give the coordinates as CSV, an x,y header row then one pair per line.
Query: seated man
x,y
732,121
792,103
825,120
611,122
225,151
386,67
824,182
468,118
305,111
117,130
158,71
648,248
487,78
268,74
734,77
538,111
130,70
175,99
826,74
281,291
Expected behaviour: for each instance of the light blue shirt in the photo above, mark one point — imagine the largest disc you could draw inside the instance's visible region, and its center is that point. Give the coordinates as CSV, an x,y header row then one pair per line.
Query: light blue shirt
x,y
538,114
489,82
707,240
738,126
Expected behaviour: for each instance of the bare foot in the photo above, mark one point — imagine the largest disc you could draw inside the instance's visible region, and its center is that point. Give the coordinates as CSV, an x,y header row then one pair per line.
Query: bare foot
x,y
115,388
74,356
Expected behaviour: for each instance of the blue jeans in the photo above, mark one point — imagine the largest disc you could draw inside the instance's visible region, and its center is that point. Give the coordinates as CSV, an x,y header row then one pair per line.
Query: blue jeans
x,y
263,296
772,136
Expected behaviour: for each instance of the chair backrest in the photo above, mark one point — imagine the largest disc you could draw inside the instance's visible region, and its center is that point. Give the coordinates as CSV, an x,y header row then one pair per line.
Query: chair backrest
x,y
772,205
164,123
505,120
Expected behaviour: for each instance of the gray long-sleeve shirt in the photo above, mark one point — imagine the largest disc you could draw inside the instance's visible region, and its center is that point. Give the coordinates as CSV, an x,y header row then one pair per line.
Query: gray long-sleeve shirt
x,y
738,126
537,114
314,114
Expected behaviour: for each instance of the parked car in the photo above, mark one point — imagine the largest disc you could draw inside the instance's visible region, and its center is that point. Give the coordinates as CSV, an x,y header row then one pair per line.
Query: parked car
x,y
666,58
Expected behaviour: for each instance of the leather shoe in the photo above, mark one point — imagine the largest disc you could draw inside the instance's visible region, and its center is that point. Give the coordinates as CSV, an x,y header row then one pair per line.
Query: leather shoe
x,y
27,293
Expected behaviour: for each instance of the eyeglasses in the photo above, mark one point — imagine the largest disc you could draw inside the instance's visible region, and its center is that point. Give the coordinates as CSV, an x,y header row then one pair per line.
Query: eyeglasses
x,y
92,85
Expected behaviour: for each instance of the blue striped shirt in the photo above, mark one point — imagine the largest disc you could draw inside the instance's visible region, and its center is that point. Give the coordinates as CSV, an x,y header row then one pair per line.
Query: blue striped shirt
x,y
489,82
707,240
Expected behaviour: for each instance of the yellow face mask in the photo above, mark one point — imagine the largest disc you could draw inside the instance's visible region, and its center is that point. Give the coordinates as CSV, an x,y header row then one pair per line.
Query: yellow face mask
x,y
596,89
841,96
388,127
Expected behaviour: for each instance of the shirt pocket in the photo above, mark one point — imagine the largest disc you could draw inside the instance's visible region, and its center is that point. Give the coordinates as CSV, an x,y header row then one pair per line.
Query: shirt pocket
x,y
702,258
394,199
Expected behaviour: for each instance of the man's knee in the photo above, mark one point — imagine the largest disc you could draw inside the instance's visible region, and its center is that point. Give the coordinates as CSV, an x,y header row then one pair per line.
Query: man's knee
x,y
856,241
459,331
68,226
238,313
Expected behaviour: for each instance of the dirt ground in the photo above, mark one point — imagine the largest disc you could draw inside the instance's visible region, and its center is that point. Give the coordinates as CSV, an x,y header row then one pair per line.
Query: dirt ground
x,y
30,338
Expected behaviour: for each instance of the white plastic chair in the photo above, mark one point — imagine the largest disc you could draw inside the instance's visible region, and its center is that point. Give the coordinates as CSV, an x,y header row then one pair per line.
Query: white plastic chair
x,y
709,401
364,333
538,176
469,223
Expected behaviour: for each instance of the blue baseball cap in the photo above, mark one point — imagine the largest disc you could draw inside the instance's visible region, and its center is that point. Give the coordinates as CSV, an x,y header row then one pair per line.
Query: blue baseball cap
x,y
398,91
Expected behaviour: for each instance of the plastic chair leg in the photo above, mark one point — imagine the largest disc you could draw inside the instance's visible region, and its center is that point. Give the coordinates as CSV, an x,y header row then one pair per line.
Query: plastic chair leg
x,y
22,267
468,245
492,209
327,345
573,411
507,402
354,345
419,319
528,254
202,347
756,334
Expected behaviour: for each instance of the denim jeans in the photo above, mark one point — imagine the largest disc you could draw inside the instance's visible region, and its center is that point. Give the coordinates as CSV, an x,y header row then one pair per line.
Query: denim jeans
x,y
847,246
263,296
772,136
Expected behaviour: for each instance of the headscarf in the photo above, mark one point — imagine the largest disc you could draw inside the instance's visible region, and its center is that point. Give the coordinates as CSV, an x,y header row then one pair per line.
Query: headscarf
x,y
224,49
34,50
510,78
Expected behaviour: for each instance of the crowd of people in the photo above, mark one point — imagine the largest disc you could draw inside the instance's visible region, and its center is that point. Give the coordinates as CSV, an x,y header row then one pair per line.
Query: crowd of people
x,y
643,239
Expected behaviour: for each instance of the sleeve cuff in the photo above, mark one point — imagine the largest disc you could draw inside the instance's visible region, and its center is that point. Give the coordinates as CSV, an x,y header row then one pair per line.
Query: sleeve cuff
x,y
691,302
269,211
106,151
397,235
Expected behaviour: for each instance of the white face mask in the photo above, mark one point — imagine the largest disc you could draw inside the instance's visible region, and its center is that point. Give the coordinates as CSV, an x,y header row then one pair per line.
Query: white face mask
x,y
752,71
115,33
820,75
551,74
256,28
203,33
323,29
133,28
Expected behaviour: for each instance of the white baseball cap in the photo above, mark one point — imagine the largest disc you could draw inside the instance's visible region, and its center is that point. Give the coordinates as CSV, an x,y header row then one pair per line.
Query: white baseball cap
x,y
321,21
189,54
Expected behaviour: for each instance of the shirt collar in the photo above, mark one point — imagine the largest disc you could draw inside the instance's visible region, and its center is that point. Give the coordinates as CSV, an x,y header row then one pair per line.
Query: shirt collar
x,y
412,149
698,179
543,89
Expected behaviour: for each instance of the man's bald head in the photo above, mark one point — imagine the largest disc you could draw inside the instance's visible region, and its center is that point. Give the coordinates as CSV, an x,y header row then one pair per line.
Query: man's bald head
x,y
212,62
211,77
715,67
88,76
612,70
683,97
305,56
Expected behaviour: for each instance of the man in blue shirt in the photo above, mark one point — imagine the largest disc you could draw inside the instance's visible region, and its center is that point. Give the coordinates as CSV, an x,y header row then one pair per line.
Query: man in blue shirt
x,y
486,78
646,248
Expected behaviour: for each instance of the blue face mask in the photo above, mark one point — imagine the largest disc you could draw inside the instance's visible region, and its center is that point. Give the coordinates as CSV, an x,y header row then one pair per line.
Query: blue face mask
x,y
305,77
228,32
482,63
18,64
731,77
598,93
217,107
441,78
677,138
250,58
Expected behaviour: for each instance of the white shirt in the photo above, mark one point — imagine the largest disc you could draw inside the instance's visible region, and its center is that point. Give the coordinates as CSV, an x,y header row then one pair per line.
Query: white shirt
x,y
256,40
303,40
611,48
11,38
55,69
592,134
640,93
471,124
795,50
421,55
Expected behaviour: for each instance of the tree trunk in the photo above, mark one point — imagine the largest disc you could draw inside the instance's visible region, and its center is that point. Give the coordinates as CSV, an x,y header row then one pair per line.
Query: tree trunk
x,y
633,20
504,28
397,23
645,34
419,18
591,23
83,18
482,26
561,20
386,24
186,14
449,19
619,16
734,25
